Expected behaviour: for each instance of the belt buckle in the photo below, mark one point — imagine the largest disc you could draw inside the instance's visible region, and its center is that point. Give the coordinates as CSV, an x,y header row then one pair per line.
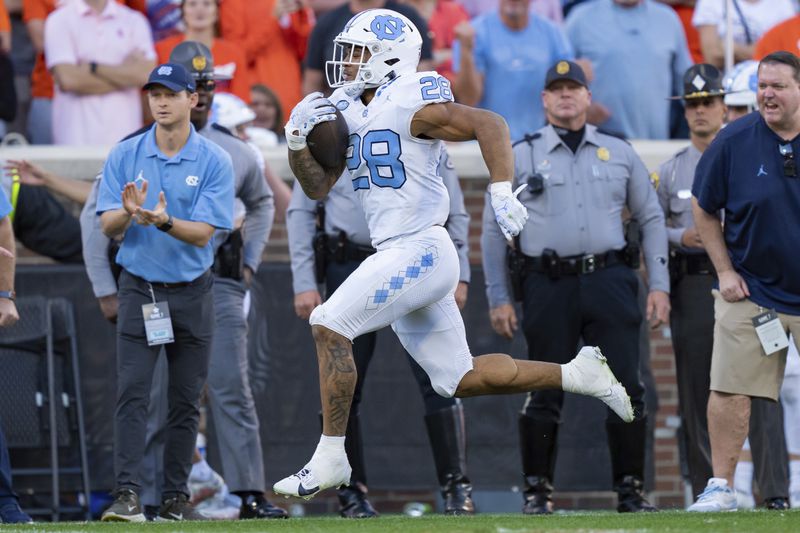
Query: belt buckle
x,y
588,264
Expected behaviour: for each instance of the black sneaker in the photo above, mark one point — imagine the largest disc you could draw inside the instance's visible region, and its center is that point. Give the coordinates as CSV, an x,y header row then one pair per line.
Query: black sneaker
x,y
777,504
353,502
257,506
126,508
10,513
178,508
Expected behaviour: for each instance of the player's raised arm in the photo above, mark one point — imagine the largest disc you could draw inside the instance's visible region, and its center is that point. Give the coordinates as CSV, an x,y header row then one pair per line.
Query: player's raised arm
x,y
315,179
455,122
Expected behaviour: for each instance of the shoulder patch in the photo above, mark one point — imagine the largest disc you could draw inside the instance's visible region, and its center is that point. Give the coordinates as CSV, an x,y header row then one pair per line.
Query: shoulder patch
x,y
528,138
612,133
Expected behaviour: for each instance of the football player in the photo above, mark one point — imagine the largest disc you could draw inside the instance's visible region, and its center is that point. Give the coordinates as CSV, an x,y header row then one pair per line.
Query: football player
x,y
398,118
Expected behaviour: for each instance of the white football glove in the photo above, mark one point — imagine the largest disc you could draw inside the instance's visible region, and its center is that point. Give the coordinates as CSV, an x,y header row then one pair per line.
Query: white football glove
x,y
310,111
509,212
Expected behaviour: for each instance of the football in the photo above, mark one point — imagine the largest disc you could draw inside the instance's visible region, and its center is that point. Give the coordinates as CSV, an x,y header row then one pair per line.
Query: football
x,y
328,142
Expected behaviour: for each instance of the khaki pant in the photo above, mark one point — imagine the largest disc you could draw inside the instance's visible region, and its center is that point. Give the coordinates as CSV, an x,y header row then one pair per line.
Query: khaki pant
x,y
738,362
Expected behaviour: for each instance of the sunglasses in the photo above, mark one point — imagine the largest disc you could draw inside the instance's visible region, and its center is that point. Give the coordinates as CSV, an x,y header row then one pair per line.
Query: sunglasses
x,y
789,165
206,85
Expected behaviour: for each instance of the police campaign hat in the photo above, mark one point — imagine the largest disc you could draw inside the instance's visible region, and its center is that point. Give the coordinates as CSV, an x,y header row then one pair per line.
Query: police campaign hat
x,y
195,58
172,76
565,70
701,81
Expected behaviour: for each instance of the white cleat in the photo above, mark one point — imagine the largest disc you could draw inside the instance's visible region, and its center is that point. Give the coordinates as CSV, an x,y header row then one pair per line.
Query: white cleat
x,y
590,375
717,497
322,472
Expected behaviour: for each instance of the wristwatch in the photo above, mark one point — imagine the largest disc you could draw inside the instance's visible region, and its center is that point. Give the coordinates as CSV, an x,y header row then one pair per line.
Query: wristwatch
x,y
166,226
8,295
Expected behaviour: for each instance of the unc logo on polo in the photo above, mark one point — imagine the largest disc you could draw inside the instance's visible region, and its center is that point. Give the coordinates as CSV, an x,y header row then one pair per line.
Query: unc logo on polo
x,y
165,71
387,27
192,181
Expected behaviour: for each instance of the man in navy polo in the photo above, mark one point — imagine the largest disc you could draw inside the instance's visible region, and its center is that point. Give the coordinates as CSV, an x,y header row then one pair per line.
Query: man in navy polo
x,y
167,190
751,173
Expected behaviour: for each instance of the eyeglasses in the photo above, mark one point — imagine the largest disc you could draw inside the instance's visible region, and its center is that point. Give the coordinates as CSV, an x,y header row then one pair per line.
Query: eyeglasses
x,y
206,85
789,166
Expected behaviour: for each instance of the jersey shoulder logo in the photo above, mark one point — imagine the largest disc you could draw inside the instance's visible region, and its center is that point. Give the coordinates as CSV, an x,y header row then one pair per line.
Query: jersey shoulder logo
x,y
387,27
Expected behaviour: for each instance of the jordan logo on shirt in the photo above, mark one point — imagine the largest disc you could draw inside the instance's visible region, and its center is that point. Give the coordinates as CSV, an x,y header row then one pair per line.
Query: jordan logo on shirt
x,y
761,171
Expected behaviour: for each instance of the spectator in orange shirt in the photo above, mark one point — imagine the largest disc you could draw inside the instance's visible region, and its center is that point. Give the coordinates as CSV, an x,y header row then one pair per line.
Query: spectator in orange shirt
x,y
201,19
442,17
784,36
273,34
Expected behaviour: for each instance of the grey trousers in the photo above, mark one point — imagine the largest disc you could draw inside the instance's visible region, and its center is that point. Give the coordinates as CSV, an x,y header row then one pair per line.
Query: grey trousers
x,y
192,311
692,324
229,397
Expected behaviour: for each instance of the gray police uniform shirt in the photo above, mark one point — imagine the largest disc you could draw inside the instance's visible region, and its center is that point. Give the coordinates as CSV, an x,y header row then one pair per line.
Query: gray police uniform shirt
x,y
343,212
580,209
675,178
251,188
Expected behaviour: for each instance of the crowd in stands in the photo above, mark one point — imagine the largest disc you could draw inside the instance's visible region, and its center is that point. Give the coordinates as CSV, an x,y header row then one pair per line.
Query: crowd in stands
x,y
76,63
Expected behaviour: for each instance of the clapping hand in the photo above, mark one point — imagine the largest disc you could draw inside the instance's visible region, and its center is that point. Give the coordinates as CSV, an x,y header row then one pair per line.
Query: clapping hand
x,y
157,216
133,197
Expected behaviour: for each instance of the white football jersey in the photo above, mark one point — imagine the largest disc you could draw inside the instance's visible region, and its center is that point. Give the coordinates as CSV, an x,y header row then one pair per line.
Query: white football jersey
x,y
395,174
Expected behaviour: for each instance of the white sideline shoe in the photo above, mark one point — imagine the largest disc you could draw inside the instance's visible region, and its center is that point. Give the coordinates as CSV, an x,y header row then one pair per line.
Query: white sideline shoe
x,y
323,471
590,375
717,497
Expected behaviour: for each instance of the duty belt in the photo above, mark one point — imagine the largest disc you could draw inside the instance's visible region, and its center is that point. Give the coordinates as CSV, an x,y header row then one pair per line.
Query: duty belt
x,y
574,265
692,264
341,250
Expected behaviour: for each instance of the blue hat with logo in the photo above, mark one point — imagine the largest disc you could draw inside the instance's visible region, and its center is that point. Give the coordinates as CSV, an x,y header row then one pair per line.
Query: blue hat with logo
x,y
172,76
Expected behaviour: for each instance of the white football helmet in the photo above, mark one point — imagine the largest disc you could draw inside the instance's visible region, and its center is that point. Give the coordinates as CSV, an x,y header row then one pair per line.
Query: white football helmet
x,y
393,42
742,85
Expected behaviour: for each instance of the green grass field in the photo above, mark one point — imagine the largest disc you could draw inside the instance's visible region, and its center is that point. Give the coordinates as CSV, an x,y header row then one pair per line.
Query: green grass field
x,y
594,522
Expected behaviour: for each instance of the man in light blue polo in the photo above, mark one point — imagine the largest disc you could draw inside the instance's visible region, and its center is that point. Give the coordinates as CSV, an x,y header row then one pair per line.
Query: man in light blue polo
x,y
638,52
501,60
167,190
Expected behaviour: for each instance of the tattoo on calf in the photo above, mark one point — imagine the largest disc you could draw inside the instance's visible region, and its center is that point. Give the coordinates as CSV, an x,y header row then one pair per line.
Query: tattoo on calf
x,y
340,379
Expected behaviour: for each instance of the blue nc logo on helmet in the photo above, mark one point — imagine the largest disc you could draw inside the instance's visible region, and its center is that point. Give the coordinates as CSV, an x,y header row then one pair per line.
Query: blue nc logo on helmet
x,y
387,27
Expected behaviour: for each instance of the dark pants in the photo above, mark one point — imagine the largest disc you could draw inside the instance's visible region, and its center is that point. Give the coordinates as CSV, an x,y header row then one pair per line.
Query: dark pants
x,y
192,311
6,494
44,226
602,309
363,350
692,324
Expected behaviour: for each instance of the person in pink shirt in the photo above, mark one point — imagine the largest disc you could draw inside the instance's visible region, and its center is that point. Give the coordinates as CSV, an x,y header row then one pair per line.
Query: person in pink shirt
x,y
100,53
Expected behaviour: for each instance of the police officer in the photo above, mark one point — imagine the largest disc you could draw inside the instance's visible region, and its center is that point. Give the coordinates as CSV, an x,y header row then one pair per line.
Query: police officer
x,y
573,272
238,255
341,243
692,315
166,190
